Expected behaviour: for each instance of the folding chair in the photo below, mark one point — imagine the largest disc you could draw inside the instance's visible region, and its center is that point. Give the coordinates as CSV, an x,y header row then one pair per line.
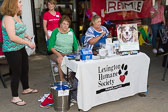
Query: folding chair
x,y
82,40
54,69
53,65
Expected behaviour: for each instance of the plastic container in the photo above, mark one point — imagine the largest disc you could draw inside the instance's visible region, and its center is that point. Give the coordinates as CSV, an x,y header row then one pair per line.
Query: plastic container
x,y
60,91
86,54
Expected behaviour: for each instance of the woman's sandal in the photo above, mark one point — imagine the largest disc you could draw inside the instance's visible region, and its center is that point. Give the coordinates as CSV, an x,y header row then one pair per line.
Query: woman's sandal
x,y
30,92
18,103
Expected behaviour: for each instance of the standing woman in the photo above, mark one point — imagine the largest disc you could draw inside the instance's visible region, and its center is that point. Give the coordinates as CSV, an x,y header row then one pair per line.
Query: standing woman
x,y
157,15
14,42
50,18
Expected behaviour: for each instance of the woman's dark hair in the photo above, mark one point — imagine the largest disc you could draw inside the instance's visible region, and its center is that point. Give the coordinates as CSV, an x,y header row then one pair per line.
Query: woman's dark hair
x,y
65,18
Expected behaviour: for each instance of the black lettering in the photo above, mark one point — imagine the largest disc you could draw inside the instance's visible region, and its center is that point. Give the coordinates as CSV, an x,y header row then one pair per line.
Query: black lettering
x,y
129,4
139,6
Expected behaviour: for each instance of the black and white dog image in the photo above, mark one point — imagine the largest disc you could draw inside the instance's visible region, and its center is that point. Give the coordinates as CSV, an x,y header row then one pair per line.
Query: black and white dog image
x,y
126,33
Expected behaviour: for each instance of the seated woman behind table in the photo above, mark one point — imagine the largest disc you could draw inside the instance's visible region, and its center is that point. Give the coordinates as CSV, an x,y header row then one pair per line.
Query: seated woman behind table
x,y
62,42
96,34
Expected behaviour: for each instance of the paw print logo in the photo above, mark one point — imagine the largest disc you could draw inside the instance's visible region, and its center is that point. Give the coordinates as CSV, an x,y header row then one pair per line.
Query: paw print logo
x,y
123,72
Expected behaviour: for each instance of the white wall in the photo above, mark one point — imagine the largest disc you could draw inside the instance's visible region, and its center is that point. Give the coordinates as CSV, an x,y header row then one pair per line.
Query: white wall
x,y
27,16
153,1
38,3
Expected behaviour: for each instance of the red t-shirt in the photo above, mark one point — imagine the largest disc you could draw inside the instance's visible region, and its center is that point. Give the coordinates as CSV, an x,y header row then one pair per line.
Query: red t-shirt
x,y
52,21
159,17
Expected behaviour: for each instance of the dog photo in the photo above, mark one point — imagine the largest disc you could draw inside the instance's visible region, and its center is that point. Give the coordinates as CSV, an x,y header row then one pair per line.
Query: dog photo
x,y
127,33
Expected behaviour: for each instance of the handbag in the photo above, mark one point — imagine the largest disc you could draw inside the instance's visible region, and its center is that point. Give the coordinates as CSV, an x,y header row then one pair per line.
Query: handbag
x,y
29,50
164,34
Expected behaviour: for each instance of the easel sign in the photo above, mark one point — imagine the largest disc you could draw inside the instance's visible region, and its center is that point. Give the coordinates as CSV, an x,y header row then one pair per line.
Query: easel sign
x,y
127,35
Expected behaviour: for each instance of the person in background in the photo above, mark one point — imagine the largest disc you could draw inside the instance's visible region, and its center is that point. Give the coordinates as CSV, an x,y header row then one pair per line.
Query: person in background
x,y
157,15
50,18
62,42
96,34
13,30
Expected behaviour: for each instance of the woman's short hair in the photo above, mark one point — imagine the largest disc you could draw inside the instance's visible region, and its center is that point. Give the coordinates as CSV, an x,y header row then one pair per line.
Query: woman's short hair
x,y
10,8
51,1
65,18
94,18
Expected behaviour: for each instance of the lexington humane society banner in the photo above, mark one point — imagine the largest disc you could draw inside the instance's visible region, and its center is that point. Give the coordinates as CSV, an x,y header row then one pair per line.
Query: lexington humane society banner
x,y
121,9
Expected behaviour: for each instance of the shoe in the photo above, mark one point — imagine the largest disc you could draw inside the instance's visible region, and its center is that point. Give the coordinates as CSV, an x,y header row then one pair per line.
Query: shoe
x,y
154,51
30,91
19,103
73,101
48,100
161,50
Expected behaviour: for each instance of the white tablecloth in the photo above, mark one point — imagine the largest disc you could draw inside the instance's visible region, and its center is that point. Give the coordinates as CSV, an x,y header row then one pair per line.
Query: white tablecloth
x,y
105,80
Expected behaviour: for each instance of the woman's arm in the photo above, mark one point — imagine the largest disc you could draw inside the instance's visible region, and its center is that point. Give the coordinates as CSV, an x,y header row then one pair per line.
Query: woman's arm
x,y
28,36
52,44
56,52
154,13
108,33
109,36
52,39
75,42
96,39
164,21
60,57
9,25
45,28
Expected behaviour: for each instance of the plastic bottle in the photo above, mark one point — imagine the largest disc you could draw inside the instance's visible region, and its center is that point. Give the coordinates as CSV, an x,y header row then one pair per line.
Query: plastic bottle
x,y
78,53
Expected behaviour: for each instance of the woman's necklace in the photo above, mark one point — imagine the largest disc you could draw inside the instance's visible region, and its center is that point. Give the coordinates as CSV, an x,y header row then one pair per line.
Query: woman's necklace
x,y
98,29
63,31
53,12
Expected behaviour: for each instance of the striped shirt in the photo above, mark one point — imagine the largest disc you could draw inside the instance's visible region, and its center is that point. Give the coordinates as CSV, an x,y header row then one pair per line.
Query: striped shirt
x,y
9,45
92,33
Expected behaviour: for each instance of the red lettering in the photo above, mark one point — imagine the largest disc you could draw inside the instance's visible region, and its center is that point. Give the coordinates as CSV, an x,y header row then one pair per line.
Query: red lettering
x,y
119,6
112,5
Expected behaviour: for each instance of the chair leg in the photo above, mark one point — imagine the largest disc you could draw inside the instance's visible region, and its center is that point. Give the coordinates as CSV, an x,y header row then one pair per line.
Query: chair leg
x,y
54,78
164,74
53,74
66,75
3,81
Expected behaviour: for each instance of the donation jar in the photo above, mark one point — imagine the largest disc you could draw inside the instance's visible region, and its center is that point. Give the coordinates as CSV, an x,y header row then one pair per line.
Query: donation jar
x,y
60,91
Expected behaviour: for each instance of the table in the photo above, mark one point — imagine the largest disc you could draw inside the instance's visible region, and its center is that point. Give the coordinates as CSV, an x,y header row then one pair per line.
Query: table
x,y
105,80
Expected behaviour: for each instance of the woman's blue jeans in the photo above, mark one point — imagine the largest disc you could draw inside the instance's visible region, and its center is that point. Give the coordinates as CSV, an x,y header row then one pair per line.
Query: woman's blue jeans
x,y
155,28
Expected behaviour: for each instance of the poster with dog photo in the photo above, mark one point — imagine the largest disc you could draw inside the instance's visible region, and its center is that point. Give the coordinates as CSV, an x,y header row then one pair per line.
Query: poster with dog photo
x,y
127,35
